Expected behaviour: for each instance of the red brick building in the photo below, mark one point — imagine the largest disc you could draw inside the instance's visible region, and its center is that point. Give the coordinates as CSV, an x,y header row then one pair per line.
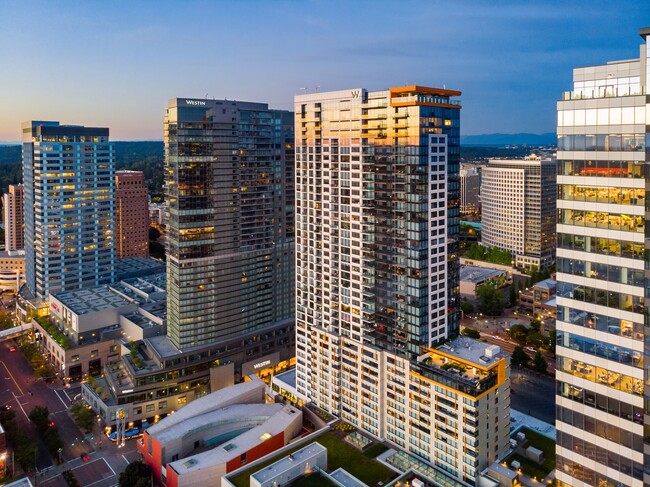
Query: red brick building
x,y
132,215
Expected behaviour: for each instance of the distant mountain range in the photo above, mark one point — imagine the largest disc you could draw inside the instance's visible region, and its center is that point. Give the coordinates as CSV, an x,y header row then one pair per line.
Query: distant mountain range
x,y
509,139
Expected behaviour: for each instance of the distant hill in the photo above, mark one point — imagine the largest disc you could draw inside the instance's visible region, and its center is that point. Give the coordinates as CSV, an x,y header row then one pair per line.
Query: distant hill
x,y
509,139
146,156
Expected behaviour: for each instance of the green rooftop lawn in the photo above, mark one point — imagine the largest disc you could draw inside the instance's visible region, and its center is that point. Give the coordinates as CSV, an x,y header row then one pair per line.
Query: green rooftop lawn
x,y
339,454
313,480
541,442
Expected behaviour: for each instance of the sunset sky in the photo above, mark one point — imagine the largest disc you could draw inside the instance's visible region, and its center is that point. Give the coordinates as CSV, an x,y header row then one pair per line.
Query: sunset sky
x,y
116,64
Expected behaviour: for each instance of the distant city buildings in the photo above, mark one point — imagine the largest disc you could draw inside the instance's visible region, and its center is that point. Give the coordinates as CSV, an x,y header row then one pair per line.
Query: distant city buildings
x,y
132,214
12,270
157,214
13,218
377,278
470,185
69,185
603,396
518,209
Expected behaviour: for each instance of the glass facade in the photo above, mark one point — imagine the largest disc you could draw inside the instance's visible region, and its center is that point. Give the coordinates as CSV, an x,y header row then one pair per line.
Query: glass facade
x,y
229,215
602,230
69,185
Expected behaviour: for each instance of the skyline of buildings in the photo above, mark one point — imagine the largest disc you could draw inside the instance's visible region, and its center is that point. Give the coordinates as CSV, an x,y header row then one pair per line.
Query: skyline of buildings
x,y
376,217
602,402
518,209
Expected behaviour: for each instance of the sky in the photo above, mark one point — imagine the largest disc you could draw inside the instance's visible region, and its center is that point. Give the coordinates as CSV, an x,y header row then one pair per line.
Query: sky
x,y
116,63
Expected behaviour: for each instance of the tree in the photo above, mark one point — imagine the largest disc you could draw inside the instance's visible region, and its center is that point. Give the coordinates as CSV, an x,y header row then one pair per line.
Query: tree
x,y
154,233
518,333
25,450
466,307
470,332
535,325
6,321
552,340
539,364
40,416
133,473
513,295
490,300
84,418
519,357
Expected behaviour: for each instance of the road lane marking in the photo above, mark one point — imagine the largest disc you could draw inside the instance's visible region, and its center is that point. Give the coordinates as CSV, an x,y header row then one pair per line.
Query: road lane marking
x,y
20,405
12,378
109,465
125,459
57,395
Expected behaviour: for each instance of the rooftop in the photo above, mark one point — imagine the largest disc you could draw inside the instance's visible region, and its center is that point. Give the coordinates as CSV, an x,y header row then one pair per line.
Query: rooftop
x,y
91,300
546,283
137,266
16,254
469,273
471,350
288,462
288,377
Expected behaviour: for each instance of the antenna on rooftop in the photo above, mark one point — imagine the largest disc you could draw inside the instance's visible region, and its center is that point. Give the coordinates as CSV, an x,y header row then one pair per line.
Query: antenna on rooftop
x,y
303,89
206,96
316,88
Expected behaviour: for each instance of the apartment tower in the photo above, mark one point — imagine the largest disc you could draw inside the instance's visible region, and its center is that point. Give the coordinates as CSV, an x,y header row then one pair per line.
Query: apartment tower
x,y
132,214
229,215
377,277
13,218
69,185
518,209
602,213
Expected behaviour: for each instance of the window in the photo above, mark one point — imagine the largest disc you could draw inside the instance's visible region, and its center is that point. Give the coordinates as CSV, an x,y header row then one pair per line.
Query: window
x,y
150,408
162,405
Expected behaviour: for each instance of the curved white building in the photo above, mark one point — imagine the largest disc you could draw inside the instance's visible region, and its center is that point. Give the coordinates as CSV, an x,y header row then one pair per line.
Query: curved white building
x,y
518,209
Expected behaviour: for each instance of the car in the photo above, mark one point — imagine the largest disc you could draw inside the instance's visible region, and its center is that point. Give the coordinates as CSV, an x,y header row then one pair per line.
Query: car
x,y
84,457
12,349
6,407
530,349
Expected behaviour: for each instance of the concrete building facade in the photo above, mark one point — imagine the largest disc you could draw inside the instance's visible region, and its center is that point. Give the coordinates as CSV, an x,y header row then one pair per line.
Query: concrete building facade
x,y
132,214
13,218
377,277
518,209
602,395
69,185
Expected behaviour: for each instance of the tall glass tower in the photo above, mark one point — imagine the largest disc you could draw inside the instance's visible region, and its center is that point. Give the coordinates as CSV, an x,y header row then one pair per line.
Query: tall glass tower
x,y
602,278
69,183
229,215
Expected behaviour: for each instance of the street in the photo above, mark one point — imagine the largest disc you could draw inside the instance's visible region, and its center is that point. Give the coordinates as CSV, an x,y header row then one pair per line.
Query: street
x,y
533,394
22,391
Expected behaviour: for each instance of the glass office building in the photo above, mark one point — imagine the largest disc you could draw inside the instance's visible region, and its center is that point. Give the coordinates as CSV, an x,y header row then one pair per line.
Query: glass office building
x,y
69,184
602,231
229,215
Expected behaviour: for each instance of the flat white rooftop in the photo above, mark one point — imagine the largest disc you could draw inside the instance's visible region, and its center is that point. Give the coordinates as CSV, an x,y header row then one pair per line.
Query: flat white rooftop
x,y
288,462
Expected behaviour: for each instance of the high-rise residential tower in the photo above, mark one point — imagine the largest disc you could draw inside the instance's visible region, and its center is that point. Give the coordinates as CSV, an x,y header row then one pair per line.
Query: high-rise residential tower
x,y
69,185
132,214
518,209
377,277
230,230
602,213
13,219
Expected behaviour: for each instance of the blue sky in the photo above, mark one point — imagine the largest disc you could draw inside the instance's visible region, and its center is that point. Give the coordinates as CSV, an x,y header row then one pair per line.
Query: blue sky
x,y
117,63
